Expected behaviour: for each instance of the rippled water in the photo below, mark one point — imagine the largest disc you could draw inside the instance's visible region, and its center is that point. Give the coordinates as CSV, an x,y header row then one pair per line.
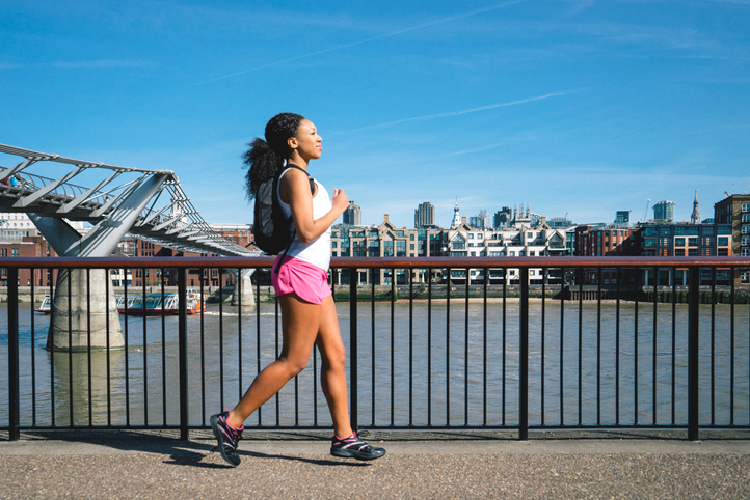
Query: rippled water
x,y
432,377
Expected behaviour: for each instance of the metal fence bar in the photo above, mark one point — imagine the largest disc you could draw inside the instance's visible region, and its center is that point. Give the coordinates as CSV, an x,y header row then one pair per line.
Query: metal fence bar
x,y
523,357
14,392
184,415
693,354
353,352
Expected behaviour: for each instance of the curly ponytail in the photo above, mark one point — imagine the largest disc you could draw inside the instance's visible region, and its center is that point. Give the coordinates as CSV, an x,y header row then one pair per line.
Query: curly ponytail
x,y
265,158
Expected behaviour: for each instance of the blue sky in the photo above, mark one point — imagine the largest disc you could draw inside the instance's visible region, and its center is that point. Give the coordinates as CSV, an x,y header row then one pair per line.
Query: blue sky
x,y
577,107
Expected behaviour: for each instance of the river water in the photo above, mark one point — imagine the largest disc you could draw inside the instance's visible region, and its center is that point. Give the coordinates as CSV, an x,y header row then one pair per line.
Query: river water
x,y
592,371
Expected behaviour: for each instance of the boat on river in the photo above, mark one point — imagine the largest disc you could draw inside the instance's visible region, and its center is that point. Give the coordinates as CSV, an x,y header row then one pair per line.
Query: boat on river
x,y
153,305
46,306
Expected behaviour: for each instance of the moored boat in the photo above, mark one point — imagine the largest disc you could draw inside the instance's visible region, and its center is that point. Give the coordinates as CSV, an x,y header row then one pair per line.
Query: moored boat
x,y
152,304
46,306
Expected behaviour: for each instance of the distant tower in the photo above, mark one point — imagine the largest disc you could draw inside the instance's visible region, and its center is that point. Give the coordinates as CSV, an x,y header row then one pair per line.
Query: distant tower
x,y
696,217
424,215
456,218
664,211
353,215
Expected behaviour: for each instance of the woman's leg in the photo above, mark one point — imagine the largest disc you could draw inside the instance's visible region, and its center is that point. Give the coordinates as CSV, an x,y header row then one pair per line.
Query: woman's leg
x,y
332,373
300,322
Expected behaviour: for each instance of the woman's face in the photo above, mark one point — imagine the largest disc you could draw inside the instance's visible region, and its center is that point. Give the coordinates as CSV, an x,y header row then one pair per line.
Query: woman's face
x,y
307,142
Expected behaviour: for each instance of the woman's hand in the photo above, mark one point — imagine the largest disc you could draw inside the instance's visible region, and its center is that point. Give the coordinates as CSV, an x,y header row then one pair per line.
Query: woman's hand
x,y
339,201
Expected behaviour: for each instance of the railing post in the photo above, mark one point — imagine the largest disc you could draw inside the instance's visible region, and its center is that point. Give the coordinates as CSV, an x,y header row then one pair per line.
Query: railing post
x,y
182,291
693,353
14,398
353,347
523,357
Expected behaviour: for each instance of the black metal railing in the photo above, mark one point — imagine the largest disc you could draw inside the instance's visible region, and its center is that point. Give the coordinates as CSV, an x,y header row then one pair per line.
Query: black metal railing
x,y
571,352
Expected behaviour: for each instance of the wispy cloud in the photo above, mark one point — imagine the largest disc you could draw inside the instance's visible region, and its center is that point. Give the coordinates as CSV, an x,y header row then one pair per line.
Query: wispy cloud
x,y
489,146
367,40
103,63
462,112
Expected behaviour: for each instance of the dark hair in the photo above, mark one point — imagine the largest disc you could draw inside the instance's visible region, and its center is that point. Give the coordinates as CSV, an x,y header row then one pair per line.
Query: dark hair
x,y
265,158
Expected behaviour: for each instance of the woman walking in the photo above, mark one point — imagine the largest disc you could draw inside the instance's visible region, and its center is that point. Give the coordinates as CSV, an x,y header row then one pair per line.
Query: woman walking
x,y
301,284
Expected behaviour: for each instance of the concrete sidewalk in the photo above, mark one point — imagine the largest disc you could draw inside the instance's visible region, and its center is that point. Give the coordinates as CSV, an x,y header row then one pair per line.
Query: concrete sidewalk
x,y
417,465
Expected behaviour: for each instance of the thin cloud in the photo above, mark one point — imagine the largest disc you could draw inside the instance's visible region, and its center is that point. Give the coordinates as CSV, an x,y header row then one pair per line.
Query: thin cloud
x,y
103,63
366,40
461,112
489,146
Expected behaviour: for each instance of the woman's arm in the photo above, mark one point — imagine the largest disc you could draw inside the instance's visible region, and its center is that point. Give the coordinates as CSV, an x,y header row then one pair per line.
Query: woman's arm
x,y
295,190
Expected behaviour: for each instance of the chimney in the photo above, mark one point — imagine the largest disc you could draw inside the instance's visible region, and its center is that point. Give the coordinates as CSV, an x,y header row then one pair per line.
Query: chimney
x,y
386,218
463,219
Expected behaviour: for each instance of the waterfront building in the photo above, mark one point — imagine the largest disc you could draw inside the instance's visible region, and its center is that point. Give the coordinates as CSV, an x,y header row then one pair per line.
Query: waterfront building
x,y
16,227
684,240
28,246
353,215
664,211
601,239
424,215
384,240
735,211
519,240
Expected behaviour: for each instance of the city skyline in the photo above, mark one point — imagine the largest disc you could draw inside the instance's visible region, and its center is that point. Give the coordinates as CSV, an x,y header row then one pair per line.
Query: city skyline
x,y
578,106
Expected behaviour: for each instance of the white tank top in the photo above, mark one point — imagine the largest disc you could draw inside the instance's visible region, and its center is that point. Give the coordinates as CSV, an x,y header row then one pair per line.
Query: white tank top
x,y
317,252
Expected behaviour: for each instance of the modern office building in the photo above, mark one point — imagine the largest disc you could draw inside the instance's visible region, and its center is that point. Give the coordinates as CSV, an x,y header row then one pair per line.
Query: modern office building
x,y
664,211
353,215
424,215
622,217
559,222
481,221
502,218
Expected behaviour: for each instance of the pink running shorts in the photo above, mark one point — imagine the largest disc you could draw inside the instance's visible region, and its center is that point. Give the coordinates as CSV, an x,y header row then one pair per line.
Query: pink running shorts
x,y
309,282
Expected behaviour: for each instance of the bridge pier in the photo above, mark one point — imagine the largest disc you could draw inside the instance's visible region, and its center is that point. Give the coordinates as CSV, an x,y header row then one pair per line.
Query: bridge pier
x,y
84,312
246,297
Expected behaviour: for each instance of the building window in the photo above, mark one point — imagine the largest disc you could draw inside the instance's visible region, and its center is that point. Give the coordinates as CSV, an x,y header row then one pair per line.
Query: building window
x,y
745,252
692,242
679,252
745,217
745,229
746,207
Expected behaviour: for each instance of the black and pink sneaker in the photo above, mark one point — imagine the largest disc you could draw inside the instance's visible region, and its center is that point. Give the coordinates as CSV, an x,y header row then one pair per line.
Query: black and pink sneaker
x,y
227,437
353,447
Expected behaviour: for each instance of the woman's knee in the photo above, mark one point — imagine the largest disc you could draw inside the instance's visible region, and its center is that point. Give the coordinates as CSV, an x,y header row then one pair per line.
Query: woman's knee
x,y
293,365
335,360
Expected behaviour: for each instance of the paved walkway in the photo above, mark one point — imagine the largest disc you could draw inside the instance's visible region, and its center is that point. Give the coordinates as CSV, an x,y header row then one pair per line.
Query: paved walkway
x,y
595,465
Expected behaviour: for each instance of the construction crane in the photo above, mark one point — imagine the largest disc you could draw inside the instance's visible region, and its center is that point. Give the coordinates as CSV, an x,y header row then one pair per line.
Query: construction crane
x,y
648,201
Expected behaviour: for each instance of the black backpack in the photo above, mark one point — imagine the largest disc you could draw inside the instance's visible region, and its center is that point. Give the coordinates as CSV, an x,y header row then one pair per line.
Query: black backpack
x,y
272,231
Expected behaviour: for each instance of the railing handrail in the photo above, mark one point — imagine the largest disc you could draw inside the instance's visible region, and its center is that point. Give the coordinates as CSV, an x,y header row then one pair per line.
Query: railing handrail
x,y
229,262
